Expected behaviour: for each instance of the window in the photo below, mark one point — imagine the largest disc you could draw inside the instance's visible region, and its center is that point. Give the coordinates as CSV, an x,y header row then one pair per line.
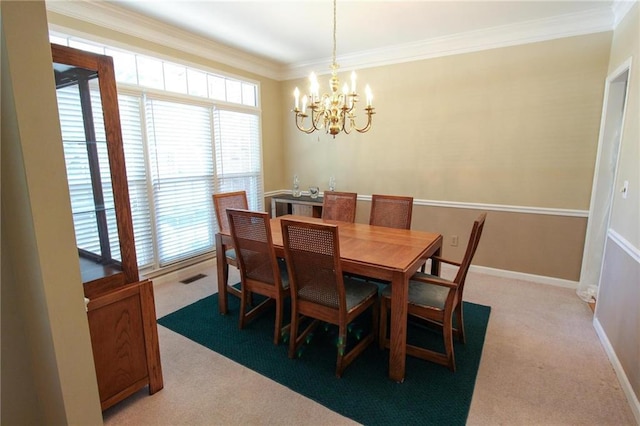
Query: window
x,y
179,150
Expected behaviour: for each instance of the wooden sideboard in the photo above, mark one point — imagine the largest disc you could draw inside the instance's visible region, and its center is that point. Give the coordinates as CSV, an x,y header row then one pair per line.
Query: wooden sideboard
x,y
301,206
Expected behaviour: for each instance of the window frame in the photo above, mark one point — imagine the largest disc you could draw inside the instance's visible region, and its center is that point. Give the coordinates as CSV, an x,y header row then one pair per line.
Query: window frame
x,y
143,92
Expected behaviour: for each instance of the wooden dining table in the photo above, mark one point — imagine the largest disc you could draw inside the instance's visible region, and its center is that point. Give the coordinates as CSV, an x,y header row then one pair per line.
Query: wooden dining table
x,y
388,254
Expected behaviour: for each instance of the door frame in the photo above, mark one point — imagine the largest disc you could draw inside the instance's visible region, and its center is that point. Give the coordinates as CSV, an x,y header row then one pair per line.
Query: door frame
x,y
600,238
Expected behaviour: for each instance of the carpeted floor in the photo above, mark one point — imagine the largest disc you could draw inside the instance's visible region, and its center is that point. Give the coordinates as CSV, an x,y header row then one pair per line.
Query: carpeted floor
x,y
542,364
431,394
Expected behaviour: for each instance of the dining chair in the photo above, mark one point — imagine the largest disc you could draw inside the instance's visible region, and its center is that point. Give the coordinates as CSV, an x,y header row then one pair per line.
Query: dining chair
x,y
321,292
436,300
391,211
261,272
221,202
339,206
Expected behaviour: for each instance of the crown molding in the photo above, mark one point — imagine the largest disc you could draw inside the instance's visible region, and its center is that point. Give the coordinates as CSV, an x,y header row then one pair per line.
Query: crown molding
x,y
112,17
593,21
620,10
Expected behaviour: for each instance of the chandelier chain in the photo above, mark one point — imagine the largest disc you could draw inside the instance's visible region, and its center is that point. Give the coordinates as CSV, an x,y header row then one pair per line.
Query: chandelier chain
x,y
335,65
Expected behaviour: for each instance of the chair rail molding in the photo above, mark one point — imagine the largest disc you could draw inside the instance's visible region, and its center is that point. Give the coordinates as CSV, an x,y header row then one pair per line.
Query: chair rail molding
x,y
473,206
624,244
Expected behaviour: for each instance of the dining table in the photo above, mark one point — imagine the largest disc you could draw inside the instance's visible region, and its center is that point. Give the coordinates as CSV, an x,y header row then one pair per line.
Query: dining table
x,y
378,252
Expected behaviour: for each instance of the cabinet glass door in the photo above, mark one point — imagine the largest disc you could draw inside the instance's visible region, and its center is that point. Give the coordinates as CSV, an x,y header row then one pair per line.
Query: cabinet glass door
x,y
95,163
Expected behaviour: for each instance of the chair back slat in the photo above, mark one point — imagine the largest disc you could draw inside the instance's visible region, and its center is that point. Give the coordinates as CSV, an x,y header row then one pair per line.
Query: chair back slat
x,y
391,211
313,258
340,206
228,200
474,239
251,233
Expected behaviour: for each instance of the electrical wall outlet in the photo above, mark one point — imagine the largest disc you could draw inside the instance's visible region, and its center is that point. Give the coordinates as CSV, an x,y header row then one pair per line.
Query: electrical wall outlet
x,y
454,241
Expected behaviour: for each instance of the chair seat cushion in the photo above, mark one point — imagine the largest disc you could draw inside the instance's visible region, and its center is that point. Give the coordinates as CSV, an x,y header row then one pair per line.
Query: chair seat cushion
x,y
357,290
424,294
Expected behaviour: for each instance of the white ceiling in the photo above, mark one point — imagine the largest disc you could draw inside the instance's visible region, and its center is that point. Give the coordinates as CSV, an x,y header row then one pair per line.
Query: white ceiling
x,y
295,35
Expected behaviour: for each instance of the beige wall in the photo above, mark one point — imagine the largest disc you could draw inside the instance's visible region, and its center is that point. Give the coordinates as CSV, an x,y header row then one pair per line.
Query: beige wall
x,y
48,375
523,234
512,126
515,126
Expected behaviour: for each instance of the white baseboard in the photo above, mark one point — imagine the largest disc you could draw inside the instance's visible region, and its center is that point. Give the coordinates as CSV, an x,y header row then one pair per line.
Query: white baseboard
x,y
197,268
634,403
540,279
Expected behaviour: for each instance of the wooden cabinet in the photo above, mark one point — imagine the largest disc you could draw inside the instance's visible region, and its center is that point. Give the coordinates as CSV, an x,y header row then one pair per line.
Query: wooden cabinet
x,y
301,206
121,309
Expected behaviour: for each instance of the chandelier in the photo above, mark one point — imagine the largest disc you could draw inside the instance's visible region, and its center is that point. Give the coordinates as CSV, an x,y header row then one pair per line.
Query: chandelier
x,y
335,112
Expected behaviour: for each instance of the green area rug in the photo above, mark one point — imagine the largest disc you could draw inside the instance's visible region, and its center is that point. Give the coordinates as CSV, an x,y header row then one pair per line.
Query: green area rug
x,y
430,394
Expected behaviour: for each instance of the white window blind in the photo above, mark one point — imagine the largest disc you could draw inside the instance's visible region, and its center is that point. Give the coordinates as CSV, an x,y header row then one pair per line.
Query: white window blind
x,y
131,119
179,150
238,154
182,174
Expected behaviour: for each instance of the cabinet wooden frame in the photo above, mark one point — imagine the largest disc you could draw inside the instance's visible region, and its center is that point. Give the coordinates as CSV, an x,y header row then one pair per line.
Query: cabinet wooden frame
x,y
121,309
103,65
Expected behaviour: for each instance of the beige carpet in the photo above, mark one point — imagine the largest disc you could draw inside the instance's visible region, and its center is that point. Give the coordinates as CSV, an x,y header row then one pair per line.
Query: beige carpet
x,y
542,365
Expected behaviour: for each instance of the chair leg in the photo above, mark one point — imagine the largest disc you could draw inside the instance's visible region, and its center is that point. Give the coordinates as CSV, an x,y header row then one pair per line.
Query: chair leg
x,y
243,308
278,326
460,322
293,333
225,273
342,346
447,331
375,319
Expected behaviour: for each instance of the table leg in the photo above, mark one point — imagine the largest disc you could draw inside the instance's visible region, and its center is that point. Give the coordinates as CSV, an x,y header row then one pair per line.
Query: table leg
x,y
223,274
435,265
398,343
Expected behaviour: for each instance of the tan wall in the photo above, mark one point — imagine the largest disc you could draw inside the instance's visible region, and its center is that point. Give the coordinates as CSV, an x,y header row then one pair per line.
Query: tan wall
x,y
510,241
44,323
515,126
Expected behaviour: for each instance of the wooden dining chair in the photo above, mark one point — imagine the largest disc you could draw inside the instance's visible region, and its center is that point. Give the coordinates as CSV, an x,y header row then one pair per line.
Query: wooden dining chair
x,y
261,272
436,301
391,211
321,292
339,206
221,202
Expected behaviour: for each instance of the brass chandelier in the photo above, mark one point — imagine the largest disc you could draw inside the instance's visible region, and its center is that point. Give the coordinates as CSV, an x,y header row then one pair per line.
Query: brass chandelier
x,y
335,112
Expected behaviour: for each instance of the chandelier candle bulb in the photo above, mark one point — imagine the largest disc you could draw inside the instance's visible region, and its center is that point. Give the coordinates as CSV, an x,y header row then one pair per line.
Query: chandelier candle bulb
x,y
353,82
296,94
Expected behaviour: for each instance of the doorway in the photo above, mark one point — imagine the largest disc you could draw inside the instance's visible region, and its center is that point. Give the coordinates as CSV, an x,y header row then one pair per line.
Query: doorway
x,y
604,180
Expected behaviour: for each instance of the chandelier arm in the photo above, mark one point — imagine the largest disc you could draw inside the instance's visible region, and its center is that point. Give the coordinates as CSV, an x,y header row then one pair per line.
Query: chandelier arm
x,y
300,127
368,125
